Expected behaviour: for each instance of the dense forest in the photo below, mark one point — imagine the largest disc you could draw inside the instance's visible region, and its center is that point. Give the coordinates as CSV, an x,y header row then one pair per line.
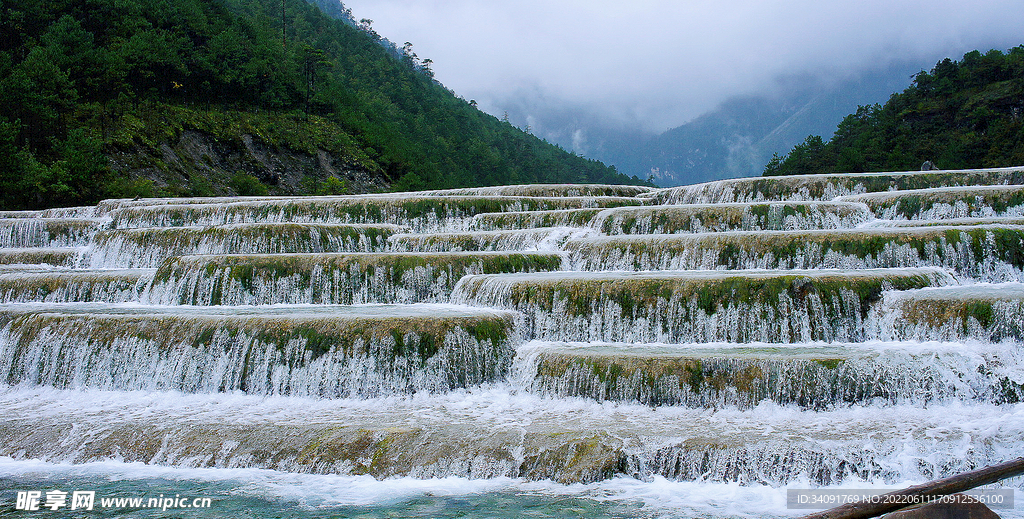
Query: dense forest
x,y
93,92
961,114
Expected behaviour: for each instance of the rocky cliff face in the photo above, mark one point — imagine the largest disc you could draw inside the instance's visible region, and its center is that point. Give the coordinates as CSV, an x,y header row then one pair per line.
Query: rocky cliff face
x,y
198,163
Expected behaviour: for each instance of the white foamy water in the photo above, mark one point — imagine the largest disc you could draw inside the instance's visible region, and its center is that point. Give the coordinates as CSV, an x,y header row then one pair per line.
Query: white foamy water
x,y
926,438
882,444
305,495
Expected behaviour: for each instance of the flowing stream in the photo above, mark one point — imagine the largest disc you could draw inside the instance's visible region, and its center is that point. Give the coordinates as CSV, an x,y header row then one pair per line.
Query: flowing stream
x,y
541,351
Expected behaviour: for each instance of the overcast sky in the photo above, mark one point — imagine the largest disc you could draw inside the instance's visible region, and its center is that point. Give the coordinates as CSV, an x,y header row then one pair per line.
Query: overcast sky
x,y
659,63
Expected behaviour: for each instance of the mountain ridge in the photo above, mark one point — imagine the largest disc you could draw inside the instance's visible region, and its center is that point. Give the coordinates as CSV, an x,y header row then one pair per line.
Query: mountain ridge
x,y
963,114
736,138
81,84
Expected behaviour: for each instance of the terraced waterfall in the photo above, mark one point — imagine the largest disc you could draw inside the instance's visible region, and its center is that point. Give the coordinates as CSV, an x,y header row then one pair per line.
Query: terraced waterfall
x,y
562,350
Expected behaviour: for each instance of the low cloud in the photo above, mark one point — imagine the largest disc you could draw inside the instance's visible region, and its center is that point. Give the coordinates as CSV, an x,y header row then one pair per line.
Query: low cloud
x,y
656,64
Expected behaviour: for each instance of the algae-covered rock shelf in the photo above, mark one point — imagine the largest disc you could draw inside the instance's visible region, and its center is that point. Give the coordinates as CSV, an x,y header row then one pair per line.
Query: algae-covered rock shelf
x,y
812,375
693,306
823,330
981,252
331,278
326,351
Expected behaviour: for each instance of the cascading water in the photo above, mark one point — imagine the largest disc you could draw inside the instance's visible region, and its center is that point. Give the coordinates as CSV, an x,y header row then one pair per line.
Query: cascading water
x,y
667,219
328,351
702,306
47,232
980,252
419,211
147,248
345,278
945,202
684,352
33,284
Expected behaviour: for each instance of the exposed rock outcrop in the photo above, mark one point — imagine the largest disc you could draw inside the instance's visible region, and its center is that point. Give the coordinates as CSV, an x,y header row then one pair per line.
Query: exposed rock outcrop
x,y
199,163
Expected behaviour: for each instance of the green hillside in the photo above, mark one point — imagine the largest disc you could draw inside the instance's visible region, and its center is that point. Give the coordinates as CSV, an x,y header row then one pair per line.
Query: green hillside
x,y
962,114
102,98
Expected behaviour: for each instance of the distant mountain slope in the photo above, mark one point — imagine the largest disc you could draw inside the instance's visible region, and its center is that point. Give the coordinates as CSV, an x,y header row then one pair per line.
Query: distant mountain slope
x,y
961,114
194,97
740,136
735,139
720,144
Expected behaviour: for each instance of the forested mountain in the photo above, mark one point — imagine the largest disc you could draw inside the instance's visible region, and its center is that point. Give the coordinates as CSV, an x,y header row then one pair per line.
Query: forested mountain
x,y
103,98
962,114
